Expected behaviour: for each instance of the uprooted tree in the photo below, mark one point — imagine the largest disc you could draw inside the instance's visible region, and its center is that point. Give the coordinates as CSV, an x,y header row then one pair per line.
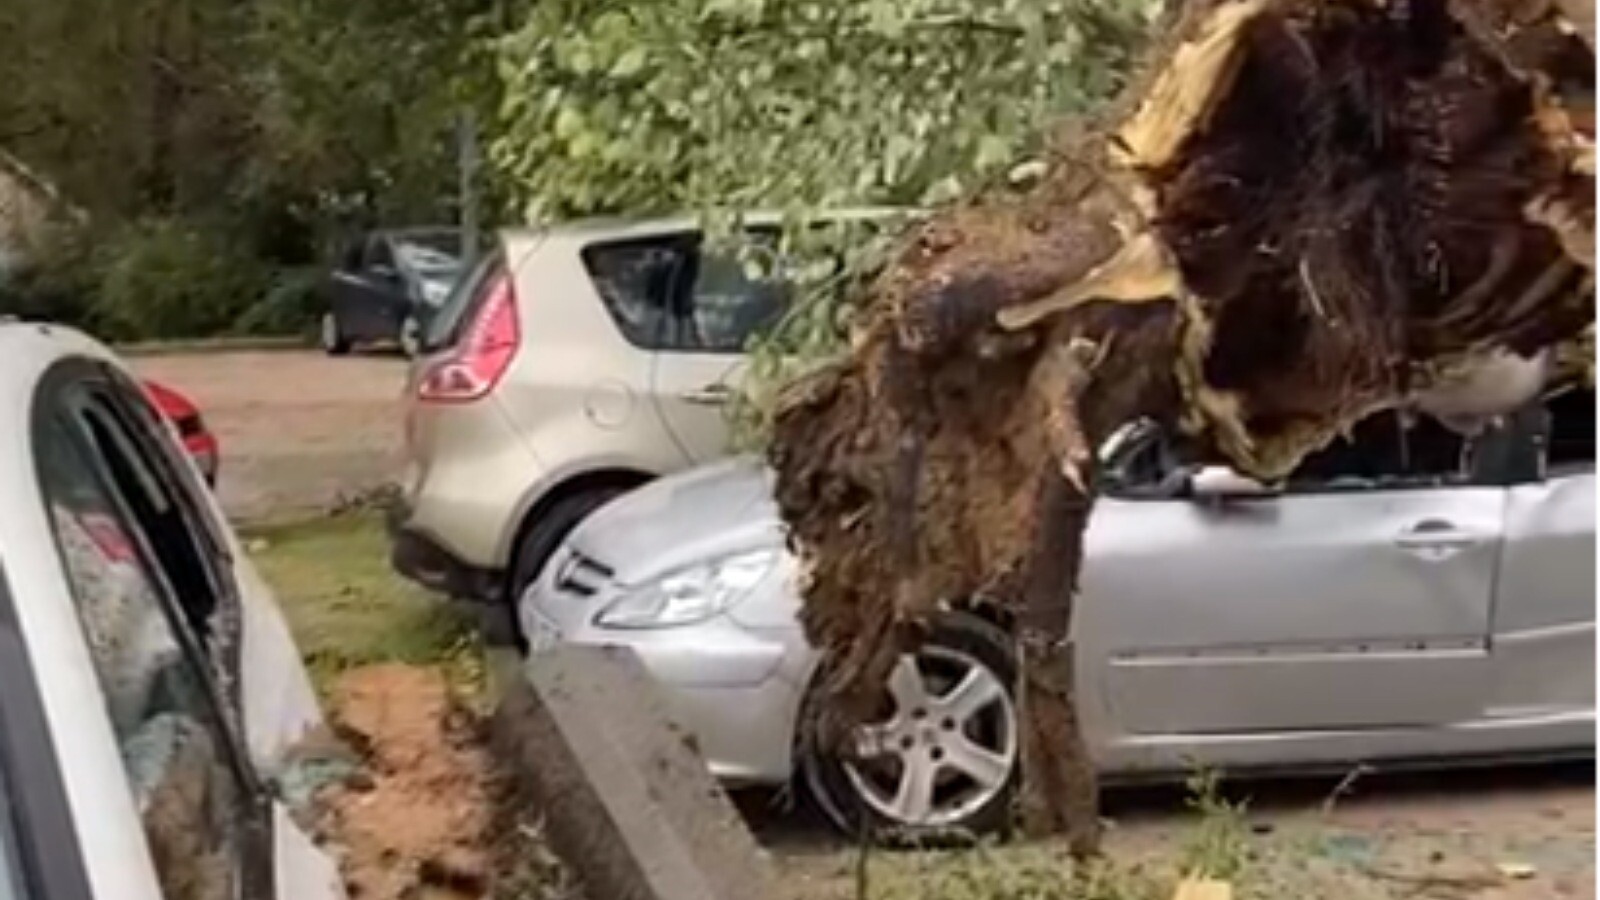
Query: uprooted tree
x,y
1305,212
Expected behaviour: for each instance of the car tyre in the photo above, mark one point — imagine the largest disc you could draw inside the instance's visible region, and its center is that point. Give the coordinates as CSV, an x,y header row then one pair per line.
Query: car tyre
x,y
981,808
334,343
534,550
411,337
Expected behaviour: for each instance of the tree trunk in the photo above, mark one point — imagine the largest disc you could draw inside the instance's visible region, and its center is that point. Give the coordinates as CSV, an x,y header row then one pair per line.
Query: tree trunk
x,y
1306,211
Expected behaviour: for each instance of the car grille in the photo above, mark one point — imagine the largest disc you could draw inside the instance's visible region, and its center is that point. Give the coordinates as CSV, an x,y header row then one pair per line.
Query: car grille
x,y
580,575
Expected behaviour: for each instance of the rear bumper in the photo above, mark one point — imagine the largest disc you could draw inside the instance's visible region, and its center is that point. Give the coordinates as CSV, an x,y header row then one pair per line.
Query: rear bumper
x,y
421,559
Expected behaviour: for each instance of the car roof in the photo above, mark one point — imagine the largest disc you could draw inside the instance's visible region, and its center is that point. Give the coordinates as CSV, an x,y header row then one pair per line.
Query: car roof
x,y
617,227
27,349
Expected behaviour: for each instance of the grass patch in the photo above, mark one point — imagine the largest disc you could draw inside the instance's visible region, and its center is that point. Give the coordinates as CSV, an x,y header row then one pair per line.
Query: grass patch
x,y
348,608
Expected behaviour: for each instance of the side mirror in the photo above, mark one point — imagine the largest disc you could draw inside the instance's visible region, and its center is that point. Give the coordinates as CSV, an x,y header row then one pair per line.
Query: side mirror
x,y
1223,483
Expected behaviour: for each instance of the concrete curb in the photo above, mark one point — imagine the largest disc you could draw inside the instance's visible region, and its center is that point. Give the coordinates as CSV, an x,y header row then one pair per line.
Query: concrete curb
x,y
628,803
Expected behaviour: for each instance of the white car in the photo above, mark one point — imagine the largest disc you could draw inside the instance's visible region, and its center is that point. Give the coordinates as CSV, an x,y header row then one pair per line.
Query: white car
x,y
150,691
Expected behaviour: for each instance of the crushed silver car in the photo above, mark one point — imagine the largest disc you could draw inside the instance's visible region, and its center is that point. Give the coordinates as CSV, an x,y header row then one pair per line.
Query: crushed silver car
x,y
1405,597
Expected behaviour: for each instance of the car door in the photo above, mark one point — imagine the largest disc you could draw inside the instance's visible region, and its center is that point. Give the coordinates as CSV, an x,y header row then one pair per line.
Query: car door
x,y
371,297
1544,612
41,855
173,643
726,296
634,278
1357,598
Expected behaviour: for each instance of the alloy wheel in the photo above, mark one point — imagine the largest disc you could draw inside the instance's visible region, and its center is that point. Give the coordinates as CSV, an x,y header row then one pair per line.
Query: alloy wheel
x,y
947,749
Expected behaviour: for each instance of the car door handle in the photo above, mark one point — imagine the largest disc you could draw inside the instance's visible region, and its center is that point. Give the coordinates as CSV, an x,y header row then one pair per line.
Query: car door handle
x,y
710,395
1435,534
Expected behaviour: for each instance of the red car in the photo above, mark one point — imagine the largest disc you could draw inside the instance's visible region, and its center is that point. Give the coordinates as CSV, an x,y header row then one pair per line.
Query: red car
x,y
185,416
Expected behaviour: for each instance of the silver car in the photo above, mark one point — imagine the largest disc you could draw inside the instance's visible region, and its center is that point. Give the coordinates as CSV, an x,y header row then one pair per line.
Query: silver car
x,y
1405,597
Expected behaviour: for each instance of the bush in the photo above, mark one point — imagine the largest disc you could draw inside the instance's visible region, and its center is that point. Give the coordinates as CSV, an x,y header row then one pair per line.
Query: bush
x,y
58,284
290,307
171,279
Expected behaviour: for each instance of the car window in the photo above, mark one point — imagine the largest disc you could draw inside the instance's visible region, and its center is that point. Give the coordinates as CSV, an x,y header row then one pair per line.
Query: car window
x,y
1382,452
1387,451
350,259
379,254
1570,439
635,281
143,609
738,292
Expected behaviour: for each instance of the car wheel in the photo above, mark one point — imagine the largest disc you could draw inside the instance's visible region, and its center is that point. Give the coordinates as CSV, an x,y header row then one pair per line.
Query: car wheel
x,y
334,343
941,760
410,337
540,541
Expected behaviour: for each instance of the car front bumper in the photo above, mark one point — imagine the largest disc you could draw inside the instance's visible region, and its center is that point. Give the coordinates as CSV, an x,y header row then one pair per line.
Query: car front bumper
x,y
737,688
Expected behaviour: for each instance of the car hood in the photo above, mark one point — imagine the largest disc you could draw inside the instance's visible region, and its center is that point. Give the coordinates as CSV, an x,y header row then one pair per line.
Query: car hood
x,y
683,519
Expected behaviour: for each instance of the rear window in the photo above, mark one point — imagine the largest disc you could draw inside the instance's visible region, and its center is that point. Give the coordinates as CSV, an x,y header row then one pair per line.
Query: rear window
x,y
636,281
444,329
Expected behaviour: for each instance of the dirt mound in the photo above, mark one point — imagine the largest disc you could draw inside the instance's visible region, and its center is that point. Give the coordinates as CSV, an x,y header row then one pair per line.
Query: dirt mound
x,y
415,823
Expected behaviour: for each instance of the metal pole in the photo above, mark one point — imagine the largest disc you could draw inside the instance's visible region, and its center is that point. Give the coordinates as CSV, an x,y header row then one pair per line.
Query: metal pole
x,y
467,166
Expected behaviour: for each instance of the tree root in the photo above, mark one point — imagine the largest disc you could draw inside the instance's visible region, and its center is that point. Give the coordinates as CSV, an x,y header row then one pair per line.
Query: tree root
x,y
1306,212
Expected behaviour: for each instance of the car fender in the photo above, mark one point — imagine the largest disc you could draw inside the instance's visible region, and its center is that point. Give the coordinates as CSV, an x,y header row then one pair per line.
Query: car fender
x,y
598,467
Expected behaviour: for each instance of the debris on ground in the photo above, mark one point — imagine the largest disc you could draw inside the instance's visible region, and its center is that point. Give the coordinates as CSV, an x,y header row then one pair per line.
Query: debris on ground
x,y
1307,212
1203,889
422,818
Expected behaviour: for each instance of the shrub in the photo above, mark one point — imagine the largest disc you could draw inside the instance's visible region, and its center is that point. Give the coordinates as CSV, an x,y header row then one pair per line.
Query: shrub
x,y
290,306
57,284
170,279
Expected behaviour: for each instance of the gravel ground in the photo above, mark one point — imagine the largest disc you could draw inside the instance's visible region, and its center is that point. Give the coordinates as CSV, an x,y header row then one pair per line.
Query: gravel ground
x,y
298,429
1511,833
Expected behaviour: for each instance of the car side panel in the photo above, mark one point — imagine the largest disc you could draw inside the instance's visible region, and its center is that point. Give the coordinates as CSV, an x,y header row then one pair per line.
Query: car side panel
x,y
1544,616
578,393
1286,613
692,390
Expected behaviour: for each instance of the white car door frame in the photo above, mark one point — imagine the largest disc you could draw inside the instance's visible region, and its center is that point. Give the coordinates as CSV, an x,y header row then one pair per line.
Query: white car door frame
x,y
39,839
273,861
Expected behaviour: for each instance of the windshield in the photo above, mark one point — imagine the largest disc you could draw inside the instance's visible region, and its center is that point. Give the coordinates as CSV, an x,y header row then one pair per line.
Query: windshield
x,y
427,260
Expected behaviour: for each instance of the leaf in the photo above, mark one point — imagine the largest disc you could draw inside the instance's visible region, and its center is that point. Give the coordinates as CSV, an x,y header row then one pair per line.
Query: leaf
x,y
630,63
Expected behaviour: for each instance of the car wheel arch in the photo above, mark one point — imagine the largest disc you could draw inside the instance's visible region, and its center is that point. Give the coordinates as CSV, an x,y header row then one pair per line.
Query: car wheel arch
x,y
979,615
571,486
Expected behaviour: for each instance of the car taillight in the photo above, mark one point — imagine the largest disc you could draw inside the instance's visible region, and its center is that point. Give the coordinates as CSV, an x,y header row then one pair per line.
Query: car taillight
x,y
484,353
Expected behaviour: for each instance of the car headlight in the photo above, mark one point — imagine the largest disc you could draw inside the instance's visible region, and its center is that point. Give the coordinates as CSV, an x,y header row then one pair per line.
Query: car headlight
x,y
689,595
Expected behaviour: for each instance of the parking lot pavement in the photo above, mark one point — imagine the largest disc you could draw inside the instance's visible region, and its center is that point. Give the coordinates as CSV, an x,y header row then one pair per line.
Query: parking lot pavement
x,y
299,430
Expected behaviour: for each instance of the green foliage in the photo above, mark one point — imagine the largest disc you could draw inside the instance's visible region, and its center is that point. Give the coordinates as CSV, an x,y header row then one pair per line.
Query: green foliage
x,y
57,284
800,106
290,306
285,123
171,279
1219,845
792,103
